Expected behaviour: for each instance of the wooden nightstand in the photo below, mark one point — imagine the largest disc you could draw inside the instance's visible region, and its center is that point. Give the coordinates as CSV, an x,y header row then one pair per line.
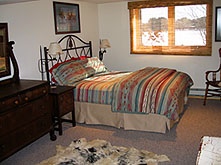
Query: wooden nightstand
x,y
63,103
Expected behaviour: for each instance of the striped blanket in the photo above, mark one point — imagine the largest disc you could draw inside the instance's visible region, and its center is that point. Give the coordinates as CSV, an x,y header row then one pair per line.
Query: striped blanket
x,y
97,89
149,90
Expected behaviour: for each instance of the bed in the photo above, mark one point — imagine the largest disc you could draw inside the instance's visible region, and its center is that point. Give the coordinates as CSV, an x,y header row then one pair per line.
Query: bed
x,y
150,99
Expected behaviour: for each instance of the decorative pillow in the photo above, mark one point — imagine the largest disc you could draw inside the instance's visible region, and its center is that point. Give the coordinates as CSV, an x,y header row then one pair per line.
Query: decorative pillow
x,y
72,59
61,63
68,72
94,66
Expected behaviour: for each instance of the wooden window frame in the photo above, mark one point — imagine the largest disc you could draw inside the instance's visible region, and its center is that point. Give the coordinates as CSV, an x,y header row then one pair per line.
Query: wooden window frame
x,y
171,49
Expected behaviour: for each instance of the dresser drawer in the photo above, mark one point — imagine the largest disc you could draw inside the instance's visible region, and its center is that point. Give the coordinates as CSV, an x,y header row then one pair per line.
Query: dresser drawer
x,y
23,98
65,102
9,103
11,142
24,114
33,94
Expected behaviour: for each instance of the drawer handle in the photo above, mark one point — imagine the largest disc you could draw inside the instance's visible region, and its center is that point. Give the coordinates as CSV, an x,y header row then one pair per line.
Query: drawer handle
x,y
44,91
16,102
26,98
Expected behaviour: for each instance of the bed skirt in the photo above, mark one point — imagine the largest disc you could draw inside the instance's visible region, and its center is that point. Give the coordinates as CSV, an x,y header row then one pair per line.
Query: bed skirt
x,y
91,113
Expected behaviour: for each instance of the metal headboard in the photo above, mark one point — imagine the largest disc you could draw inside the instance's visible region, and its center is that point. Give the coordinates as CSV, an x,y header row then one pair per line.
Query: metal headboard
x,y
72,46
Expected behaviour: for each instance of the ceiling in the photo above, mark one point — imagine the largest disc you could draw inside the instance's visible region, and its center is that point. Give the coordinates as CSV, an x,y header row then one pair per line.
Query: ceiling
x,y
2,2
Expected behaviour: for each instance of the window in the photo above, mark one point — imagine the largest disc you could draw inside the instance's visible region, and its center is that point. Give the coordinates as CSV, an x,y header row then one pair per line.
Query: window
x,y
178,27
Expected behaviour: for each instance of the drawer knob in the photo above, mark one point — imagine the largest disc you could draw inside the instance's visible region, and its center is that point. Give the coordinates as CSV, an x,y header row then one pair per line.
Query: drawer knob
x,y
26,98
16,102
44,91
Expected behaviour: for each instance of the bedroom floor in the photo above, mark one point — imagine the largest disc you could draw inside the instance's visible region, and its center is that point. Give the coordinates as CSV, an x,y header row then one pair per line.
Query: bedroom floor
x,y
181,144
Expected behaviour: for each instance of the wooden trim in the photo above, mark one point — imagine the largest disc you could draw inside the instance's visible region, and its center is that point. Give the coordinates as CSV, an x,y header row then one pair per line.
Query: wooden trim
x,y
171,25
131,31
165,3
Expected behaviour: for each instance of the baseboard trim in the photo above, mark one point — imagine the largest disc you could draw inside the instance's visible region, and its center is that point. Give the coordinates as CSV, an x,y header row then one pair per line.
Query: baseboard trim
x,y
202,97
199,93
197,89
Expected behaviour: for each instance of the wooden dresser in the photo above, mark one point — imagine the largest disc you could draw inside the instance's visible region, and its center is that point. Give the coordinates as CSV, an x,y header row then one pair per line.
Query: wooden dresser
x,y
25,115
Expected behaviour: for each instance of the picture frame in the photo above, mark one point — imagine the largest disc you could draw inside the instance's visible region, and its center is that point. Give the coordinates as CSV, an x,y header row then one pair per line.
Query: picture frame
x,y
66,18
218,24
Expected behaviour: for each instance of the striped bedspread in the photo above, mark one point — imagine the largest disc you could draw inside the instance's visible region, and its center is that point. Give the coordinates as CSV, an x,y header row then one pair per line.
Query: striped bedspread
x,y
97,89
149,90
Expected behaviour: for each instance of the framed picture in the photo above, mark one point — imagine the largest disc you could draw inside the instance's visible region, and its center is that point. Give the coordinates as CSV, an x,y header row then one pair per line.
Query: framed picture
x,y
66,18
218,24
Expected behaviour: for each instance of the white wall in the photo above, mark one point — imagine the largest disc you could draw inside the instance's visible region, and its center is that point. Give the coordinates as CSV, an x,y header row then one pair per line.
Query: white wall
x,y
114,25
31,24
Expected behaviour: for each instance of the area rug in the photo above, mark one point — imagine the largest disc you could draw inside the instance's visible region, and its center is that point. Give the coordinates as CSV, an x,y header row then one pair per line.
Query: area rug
x,y
101,152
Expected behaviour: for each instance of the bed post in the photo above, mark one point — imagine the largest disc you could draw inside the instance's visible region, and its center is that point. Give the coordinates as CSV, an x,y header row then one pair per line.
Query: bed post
x,y
90,45
46,64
